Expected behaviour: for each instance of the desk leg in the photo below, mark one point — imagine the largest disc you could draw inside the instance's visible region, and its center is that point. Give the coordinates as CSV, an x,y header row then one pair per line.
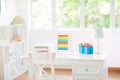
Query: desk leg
x,y
30,72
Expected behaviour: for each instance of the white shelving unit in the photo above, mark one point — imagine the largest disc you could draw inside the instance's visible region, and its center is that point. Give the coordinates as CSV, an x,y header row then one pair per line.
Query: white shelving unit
x,y
13,56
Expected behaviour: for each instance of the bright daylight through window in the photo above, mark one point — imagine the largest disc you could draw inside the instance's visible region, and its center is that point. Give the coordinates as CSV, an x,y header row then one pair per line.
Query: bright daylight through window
x,y
97,13
117,13
66,14
41,14
0,6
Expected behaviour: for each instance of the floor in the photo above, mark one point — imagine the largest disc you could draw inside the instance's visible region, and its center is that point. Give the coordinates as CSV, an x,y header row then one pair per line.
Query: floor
x,y
112,74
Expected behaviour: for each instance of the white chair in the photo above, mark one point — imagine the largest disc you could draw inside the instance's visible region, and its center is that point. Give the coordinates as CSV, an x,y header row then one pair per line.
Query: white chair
x,y
38,62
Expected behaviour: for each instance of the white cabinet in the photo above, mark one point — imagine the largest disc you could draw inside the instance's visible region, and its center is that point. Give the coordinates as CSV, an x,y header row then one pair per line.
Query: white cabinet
x,y
13,57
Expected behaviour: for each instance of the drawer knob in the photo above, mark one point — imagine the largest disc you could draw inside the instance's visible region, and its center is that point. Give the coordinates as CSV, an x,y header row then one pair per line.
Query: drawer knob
x,y
86,70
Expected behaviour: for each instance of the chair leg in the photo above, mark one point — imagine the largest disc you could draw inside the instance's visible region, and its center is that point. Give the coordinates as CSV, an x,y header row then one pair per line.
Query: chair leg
x,y
53,74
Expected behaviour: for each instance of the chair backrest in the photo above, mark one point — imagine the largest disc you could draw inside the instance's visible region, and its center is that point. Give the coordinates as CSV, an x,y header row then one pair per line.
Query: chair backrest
x,y
42,58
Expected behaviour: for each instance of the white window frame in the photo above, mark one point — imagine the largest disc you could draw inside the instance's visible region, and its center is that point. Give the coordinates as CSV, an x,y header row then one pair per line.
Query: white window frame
x,y
3,6
112,14
82,16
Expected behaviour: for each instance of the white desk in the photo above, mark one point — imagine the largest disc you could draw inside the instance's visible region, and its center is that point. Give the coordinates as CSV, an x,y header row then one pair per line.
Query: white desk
x,y
90,67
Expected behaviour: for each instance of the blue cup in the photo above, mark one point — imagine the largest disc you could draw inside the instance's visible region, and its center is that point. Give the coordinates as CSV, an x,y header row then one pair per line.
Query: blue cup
x,y
81,49
87,50
91,49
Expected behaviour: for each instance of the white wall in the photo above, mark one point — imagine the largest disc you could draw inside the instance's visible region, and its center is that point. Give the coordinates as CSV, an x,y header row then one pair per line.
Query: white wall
x,y
109,44
75,37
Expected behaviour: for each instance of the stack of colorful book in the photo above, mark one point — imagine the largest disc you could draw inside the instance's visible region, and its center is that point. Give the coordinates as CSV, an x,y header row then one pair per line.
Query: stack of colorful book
x,y
62,42
41,48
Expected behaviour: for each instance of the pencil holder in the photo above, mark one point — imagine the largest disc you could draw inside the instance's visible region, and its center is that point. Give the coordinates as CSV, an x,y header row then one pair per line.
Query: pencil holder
x,y
85,48
81,49
89,50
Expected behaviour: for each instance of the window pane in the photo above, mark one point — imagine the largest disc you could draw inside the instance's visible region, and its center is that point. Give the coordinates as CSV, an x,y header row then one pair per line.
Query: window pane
x,y
97,13
67,13
0,6
41,14
117,13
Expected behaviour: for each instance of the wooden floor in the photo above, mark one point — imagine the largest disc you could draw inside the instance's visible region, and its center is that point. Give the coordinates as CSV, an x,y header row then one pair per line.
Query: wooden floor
x,y
113,74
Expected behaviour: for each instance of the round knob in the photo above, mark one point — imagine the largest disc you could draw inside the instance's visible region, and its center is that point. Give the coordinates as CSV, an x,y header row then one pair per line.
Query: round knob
x,y
86,70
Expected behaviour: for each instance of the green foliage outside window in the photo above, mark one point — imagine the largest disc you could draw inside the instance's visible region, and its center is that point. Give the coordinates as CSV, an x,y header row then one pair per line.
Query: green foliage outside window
x,y
0,6
97,13
68,13
117,13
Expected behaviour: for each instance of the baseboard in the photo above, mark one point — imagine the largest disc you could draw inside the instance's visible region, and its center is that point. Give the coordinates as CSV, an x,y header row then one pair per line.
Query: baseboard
x,y
113,69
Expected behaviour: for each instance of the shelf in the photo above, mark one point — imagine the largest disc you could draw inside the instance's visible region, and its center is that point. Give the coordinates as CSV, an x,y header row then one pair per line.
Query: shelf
x,y
13,60
4,44
8,43
18,67
17,59
18,74
16,42
12,33
13,51
18,25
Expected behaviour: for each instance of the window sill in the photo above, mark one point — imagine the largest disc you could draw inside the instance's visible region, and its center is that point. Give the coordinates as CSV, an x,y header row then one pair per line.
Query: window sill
x,y
80,29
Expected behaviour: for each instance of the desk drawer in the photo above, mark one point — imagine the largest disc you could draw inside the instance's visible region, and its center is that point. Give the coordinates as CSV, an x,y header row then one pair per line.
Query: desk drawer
x,y
85,70
88,77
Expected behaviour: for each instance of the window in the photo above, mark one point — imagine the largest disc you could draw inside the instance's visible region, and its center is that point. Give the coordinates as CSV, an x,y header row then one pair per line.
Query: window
x,y
97,13
0,6
117,13
67,14
41,14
